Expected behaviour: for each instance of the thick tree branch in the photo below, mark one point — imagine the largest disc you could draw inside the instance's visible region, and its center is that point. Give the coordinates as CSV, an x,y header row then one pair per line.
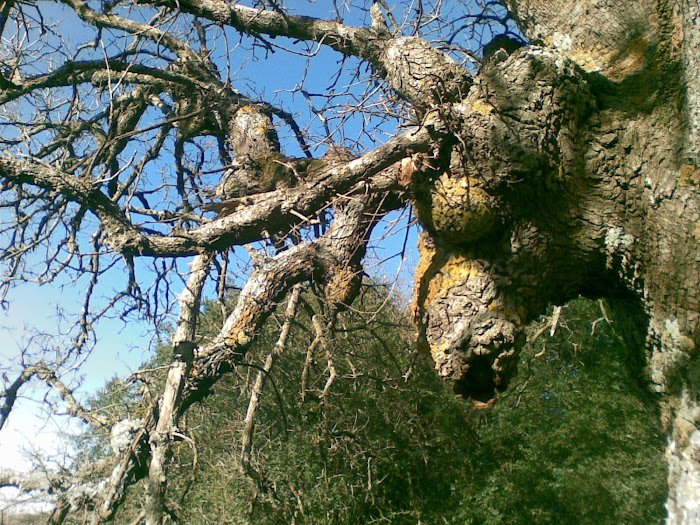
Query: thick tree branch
x,y
9,395
330,259
418,72
351,41
333,260
26,481
183,354
5,9
272,211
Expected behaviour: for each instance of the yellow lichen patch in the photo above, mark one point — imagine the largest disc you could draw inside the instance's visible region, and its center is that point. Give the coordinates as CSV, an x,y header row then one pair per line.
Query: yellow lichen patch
x,y
616,65
483,108
460,210
496,305
590,60
250,108
427,252
439,352
342,285
455,272
237,338
424,271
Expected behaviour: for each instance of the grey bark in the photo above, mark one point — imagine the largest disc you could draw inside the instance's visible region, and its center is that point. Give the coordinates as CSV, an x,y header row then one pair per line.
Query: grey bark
x,y
168,411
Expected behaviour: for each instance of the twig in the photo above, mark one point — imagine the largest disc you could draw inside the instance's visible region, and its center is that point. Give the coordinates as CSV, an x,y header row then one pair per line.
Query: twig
x,y
555,321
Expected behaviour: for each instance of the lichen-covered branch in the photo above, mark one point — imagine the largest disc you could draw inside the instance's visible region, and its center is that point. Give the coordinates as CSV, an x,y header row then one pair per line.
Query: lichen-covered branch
x,y
183,355
275,210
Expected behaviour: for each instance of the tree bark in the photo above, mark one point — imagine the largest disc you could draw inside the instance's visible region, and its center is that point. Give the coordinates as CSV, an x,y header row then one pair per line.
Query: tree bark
x,y
577,173
178,373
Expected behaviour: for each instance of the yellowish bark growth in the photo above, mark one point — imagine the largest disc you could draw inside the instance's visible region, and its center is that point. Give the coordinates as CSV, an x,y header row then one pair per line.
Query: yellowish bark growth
x,y
461,211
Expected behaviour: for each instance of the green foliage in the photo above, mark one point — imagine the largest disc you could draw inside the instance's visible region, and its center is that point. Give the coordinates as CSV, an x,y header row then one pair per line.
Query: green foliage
x,y
117,400
575,439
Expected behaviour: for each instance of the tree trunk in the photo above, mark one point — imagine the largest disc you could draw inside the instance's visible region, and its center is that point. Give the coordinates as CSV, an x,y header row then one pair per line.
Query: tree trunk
x,y
574,170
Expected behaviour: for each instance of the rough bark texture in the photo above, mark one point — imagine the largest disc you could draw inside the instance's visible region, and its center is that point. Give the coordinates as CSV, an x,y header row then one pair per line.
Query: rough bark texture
x,y
689,12
579,175
178,374
503,243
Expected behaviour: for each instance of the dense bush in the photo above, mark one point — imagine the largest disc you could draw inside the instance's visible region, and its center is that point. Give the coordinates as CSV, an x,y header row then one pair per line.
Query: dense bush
x,y
573,440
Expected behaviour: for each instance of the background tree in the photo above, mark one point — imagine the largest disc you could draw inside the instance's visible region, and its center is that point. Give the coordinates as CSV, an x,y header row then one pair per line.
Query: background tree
x,y
563,167
573,439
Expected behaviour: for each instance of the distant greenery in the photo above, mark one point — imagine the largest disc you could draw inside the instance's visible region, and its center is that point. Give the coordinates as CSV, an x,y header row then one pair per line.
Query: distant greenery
x,y
574,440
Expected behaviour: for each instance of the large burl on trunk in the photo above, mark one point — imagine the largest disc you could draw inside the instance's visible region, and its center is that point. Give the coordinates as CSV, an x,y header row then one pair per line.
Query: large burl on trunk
x,y
572,167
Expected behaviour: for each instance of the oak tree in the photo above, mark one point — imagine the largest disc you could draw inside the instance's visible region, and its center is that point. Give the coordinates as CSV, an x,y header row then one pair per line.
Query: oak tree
x,y
565,166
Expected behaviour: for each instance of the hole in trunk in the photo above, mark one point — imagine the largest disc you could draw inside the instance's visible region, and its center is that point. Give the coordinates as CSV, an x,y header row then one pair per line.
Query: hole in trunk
x,y
479,382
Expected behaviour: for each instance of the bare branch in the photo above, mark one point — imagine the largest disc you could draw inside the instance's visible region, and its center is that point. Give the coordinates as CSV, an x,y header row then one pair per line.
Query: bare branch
x,y
257,390
417,71
276,210
9,395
